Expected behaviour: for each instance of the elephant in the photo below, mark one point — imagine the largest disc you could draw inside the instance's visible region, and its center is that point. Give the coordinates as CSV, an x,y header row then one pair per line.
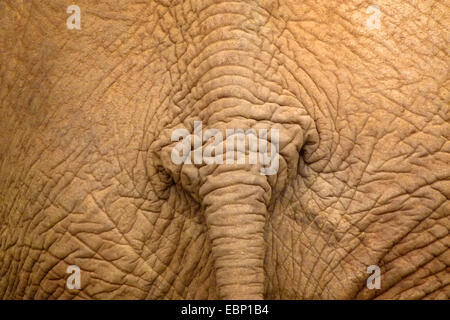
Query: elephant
x,y
352,97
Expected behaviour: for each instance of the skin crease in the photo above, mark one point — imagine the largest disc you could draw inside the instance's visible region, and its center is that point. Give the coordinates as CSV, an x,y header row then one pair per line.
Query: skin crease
x,y
85,115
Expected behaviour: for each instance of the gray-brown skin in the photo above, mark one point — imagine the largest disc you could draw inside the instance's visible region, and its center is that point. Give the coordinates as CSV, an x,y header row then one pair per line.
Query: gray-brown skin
x,y
86,117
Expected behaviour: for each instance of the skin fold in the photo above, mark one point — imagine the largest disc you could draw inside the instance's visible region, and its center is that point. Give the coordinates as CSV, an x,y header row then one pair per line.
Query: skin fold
x,y
85,141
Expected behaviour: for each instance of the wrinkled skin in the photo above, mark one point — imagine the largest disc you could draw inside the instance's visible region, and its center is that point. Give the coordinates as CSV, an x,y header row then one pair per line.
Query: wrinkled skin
x,y
86,116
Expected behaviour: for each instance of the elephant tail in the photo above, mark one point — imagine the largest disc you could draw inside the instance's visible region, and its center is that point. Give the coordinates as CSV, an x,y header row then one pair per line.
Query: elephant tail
x,y
236,196
235,206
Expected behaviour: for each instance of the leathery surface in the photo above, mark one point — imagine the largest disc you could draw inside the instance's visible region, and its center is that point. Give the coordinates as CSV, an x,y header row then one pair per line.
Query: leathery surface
x,y
363,179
